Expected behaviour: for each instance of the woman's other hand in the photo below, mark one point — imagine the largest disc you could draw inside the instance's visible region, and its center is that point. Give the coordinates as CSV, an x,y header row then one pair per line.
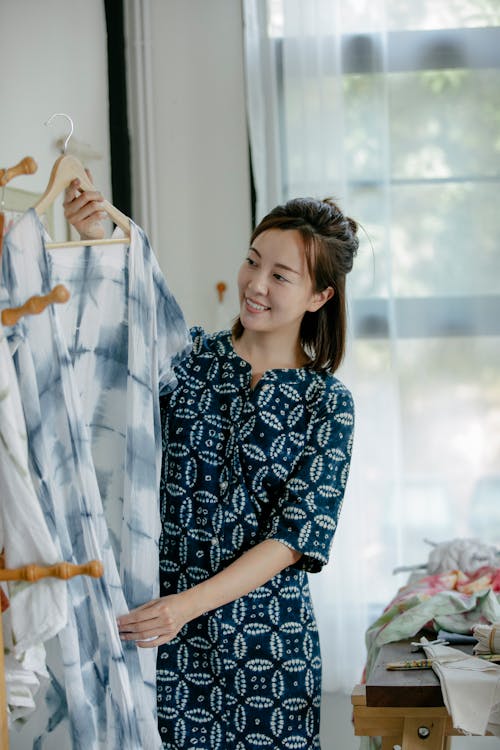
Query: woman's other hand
x,y
155,623
83,210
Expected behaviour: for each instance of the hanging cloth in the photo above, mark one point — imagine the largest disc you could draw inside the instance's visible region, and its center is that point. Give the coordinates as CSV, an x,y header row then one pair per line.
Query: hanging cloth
x,y
36,613
90,376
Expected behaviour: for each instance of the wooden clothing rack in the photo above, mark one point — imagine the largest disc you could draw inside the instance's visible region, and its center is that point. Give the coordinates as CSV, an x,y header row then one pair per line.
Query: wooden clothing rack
x,y
26,166
33,573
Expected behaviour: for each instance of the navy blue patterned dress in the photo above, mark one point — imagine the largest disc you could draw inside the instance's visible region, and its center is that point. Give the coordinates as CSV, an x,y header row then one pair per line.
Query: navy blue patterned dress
x,y
242,465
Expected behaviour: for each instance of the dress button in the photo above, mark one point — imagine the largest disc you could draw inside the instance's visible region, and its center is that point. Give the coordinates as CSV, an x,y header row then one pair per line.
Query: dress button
x,y
213,541
223,486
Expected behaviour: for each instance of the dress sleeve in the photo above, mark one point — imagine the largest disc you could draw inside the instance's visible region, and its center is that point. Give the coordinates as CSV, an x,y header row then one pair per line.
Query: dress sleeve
x,y
173,336
306,514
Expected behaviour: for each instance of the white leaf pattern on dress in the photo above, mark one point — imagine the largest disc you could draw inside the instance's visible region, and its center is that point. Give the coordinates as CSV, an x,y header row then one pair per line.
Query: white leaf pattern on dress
x,y
275,469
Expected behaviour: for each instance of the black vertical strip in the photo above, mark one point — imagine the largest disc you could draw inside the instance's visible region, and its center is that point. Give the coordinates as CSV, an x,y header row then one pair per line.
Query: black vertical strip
x,y
118,116
253,192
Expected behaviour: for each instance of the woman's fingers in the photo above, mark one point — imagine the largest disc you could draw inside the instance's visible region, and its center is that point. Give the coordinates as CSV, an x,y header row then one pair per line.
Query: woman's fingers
x,y
84,210
143,613
83,204
141,633
136,623
88,209
151,625
156,642
72,191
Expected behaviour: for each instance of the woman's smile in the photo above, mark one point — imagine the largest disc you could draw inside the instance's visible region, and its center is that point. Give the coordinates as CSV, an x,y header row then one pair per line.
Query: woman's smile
x,y
255,306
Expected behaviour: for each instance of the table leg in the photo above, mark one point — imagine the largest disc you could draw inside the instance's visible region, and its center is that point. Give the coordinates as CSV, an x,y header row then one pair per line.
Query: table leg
x,y
389,742
421,734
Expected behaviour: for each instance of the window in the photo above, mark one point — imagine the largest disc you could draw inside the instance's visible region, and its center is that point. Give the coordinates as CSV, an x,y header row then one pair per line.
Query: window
x,y
394,108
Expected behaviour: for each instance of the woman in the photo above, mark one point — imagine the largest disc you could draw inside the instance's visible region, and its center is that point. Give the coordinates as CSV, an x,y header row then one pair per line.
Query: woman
x,y
257,443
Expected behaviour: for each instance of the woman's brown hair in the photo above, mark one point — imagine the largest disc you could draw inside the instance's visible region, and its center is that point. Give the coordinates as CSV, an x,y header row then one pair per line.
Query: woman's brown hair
x,y
330,243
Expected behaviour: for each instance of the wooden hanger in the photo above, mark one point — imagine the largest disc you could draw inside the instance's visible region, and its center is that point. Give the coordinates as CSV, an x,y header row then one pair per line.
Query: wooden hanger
x,y
66,169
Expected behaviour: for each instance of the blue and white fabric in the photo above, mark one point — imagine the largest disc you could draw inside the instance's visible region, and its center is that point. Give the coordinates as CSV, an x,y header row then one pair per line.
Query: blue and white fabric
x,y
242,465
36,612
90,373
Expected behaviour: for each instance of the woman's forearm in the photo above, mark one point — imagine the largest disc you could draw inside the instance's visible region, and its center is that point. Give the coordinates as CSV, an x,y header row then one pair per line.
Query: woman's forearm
x,y
245,574
158,622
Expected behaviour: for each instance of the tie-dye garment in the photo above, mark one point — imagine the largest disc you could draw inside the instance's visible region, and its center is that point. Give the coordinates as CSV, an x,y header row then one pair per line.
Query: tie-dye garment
x,y
90,374
36,613
242,465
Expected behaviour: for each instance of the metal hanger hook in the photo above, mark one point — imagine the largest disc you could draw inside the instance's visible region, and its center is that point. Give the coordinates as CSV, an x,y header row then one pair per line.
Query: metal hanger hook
x,y
62,114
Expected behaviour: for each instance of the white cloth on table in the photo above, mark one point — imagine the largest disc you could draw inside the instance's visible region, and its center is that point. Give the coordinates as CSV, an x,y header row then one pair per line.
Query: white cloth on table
x,y
488,638
470,687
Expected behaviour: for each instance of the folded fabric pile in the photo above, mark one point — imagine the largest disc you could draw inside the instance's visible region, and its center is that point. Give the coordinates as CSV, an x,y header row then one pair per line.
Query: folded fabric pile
x,y
453,601
463,554
470,688
488,638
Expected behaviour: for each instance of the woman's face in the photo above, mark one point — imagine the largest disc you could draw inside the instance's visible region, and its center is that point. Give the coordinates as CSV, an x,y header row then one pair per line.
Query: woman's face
x,y
274,284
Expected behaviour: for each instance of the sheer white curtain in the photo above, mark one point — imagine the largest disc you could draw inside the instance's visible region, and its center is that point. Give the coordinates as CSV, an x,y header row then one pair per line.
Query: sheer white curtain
x,y
393,108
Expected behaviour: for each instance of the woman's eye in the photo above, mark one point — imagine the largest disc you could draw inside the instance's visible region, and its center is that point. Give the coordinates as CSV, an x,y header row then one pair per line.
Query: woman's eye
x,y
279,277
250,262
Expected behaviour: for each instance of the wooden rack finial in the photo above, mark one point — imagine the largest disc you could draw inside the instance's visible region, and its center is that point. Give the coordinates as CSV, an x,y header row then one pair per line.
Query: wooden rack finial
x,y
26,166
35,305
221,287
65,570
33,573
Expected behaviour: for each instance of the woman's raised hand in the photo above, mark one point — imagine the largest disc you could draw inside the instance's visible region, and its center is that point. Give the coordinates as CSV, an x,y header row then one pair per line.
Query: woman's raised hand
x,y
83,210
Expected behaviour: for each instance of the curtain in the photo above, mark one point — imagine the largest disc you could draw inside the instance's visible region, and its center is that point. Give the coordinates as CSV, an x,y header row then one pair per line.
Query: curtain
x,y
393,108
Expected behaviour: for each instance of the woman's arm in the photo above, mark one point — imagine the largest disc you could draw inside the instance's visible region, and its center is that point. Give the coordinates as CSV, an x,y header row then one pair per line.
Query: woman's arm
x,y
162,618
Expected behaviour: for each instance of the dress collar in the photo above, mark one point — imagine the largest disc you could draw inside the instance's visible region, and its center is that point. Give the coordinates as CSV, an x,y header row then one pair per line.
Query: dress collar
x,y
223,344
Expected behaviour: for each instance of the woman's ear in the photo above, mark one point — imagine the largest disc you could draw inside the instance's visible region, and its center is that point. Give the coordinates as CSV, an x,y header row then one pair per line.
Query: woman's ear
x,y
319,298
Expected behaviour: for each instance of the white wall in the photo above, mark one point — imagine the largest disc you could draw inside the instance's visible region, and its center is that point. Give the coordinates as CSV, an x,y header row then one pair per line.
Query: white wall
x,y
202,172
53,59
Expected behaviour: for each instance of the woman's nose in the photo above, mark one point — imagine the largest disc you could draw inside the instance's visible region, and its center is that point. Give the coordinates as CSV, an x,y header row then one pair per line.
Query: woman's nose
x,y
258,283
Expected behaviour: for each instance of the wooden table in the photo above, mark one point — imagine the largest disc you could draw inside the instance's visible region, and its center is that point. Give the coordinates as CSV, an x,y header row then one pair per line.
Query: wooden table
x,y
404,708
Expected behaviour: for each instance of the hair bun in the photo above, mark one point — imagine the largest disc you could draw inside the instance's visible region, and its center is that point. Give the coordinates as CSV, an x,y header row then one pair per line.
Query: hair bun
x,y
353,224
338,215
